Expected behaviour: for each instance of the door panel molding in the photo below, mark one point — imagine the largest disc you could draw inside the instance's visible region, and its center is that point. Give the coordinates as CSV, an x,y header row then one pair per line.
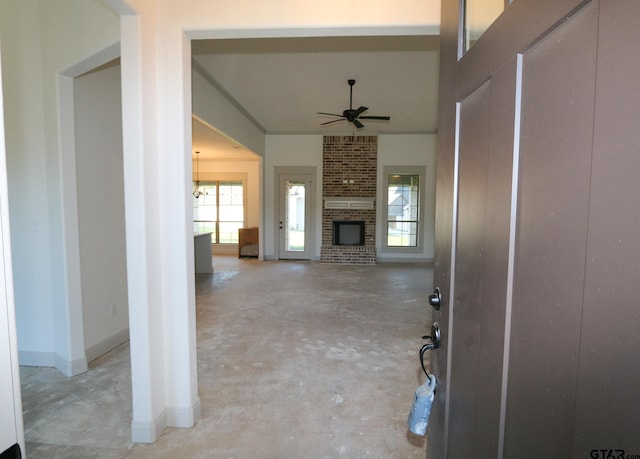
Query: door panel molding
x,y
452,291
466,331
513,218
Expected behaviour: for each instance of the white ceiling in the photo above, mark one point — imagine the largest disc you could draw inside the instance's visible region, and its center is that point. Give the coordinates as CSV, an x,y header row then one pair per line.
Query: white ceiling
x,y
283,82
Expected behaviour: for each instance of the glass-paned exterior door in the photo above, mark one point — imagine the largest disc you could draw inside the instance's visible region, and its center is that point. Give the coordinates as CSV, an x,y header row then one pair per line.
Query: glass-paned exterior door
x,y
294,216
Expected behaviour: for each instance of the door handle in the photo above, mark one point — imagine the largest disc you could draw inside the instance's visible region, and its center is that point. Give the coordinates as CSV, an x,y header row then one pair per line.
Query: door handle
x,y
435,299
435,337
434,344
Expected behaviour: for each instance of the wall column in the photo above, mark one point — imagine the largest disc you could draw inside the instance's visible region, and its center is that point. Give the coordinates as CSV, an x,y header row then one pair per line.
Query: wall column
x,y
159,238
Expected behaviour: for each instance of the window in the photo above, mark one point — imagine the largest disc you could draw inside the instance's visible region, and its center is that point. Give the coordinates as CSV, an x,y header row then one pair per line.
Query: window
x,y
219,210
478,16
403,201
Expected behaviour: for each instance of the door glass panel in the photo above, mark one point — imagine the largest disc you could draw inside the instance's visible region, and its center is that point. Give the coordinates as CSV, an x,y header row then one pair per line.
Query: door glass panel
x,y
294,216
478,16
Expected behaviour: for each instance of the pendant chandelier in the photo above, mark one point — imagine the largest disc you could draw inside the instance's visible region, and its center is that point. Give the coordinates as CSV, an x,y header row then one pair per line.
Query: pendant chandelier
x,y
196,189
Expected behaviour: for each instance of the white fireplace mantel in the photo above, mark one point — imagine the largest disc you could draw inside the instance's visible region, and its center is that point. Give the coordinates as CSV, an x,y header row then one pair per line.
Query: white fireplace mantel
x,y
349,203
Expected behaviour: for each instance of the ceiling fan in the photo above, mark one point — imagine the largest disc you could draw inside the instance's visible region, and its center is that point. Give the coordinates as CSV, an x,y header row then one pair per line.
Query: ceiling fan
x,y
351,115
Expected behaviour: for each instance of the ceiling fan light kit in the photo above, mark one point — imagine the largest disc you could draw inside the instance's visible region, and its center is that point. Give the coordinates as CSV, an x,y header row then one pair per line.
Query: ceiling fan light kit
x,y
351,115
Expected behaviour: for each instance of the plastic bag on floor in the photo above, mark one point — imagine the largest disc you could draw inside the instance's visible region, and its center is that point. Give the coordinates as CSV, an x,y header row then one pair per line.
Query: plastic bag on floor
x,y
421,407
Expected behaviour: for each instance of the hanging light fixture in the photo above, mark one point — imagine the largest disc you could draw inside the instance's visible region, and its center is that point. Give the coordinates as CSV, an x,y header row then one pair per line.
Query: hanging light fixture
x,y
196,189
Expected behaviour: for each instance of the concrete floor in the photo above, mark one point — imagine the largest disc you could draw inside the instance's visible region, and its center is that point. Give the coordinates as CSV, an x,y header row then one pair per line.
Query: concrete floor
x,y
295,360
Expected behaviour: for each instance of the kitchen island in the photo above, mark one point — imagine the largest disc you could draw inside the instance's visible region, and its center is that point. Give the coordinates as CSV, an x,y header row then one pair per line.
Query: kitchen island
x,y
202,253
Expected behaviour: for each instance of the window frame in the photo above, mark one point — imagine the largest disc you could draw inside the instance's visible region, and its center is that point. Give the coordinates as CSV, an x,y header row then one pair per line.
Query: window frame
x,y
209,178
421,172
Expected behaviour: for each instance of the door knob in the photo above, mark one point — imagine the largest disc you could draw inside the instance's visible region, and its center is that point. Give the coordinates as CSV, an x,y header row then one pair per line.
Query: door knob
x,y
435,299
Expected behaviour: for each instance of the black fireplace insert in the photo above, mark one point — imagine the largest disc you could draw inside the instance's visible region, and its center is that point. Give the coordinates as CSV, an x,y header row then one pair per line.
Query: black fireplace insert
x,y
348,232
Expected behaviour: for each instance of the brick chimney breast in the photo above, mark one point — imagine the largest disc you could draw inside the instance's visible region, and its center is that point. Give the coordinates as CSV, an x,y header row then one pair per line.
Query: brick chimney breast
x,y
350,169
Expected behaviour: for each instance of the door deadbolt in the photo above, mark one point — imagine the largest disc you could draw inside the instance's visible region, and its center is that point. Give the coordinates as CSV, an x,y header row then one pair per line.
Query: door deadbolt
x,y
435,299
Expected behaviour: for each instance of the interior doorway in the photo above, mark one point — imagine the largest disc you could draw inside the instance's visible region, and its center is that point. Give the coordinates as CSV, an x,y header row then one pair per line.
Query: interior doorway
x,y
100,208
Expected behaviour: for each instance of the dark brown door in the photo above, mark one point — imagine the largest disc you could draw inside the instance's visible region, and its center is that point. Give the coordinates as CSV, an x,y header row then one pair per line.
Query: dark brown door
x,y
535,251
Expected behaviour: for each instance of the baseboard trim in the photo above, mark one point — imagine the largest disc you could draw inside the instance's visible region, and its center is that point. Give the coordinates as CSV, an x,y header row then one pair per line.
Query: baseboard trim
x,y
184,417
148,431
51,359
274,258
382,259
107,345
71,367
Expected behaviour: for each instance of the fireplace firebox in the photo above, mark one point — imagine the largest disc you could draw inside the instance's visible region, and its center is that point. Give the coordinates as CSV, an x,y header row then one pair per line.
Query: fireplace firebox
x,y
348,232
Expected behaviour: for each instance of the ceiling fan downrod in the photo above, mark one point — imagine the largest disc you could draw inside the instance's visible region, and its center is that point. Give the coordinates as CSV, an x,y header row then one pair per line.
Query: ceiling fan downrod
x,y
351,83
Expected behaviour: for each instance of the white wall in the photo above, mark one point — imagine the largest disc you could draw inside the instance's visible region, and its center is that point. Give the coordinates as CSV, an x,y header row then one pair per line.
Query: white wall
x,y
294,17
27,166
290,150
100,184
11,424
65,32
409,150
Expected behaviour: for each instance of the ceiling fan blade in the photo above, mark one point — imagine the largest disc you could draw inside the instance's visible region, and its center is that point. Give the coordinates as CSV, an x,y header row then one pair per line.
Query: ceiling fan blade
x,y
387,118
331,122
356,113
329,114
352,115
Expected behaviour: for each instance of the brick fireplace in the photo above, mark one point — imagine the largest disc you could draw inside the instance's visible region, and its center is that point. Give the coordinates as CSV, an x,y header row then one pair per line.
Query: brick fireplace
x,y
349,180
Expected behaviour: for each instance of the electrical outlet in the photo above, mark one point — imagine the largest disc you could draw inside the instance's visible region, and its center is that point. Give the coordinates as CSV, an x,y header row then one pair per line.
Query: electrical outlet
x,y
114,310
